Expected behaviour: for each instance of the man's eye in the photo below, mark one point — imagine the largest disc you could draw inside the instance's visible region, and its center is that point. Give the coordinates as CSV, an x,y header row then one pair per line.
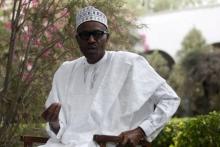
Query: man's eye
x,y
85,33
98,33
82,34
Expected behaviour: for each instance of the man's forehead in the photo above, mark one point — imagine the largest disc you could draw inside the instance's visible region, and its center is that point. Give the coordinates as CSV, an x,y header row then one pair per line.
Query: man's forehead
x,y
91,25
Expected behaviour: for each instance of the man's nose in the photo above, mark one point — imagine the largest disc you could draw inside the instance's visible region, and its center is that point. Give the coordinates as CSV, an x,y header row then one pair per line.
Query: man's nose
x,y
91,39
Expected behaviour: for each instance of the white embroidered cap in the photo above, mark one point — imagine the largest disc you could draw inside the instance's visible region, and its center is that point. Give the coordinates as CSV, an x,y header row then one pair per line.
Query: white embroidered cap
x,y
90,13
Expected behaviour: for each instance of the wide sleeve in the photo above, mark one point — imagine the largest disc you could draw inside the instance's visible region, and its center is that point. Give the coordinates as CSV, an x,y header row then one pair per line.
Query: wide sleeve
x,y
55,97
166,102
141,83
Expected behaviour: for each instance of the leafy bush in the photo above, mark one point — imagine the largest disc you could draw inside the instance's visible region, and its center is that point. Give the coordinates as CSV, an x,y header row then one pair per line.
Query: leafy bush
x,y
200,131
31,129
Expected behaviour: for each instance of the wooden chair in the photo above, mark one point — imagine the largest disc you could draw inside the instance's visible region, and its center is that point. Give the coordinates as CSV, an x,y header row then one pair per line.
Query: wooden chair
x,y
101,140
30,140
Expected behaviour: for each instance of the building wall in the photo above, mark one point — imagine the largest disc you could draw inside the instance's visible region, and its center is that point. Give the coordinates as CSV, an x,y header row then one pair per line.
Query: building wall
x,y
166,30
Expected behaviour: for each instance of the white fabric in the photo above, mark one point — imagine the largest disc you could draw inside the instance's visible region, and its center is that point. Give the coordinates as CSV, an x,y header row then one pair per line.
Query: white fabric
x,y
90,13
116,94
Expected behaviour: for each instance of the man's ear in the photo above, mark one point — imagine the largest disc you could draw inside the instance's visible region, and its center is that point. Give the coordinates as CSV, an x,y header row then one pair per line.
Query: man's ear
x,y
77,37
107,37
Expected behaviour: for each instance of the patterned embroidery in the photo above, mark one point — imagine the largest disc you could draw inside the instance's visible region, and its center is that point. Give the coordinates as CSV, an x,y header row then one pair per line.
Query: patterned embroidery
x,y
93,78
90,13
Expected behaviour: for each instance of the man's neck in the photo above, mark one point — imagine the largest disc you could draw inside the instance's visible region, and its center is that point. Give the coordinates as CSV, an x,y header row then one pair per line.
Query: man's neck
x,y
96,60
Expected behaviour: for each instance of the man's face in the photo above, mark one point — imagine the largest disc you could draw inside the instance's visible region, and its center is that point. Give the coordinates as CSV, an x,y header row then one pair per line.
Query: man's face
x,y
92,37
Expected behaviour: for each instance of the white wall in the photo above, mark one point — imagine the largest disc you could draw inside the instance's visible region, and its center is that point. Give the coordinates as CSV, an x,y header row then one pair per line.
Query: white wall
x,y
166,30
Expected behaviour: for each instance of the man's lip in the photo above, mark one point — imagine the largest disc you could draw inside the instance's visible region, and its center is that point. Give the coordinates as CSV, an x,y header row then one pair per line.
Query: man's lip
x,y
91,47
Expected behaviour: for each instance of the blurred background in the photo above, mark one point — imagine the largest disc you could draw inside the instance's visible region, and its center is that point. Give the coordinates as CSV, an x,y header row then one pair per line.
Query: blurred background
x,y
180,39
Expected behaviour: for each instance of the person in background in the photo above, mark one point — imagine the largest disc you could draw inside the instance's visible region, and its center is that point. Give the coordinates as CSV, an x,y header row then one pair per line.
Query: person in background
x,y
105,92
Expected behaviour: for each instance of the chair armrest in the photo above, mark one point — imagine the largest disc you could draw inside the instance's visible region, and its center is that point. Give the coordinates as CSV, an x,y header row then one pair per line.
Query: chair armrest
x,y
102,140
29,140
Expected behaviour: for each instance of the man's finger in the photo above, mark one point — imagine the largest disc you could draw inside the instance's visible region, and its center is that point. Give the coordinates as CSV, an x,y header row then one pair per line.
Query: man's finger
x,y
131,143
52,106
56,112
125,140
44,115
121,140
52,112
47,114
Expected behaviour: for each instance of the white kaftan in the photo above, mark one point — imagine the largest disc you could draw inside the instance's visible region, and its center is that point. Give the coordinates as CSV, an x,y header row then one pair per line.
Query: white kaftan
x,y
116,94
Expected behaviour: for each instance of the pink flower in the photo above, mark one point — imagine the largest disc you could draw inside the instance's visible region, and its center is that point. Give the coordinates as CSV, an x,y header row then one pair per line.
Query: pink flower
x,y
26,77
46,54
25,2
34,3
37,42
29,66
64,12
26,37
59,25
48,35
52,28
145,41
59,45
7,25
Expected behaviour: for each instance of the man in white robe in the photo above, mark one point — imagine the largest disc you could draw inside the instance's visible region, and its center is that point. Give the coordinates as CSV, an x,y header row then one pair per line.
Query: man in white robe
x,y
105,92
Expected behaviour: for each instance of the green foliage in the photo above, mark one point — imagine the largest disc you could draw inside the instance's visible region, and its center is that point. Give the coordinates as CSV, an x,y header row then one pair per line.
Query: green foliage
x,y
192,42
195,76
200,131
203,72
159,63
33,129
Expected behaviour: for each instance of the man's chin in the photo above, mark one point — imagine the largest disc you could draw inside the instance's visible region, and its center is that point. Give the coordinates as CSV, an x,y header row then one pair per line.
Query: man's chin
x,y
93,58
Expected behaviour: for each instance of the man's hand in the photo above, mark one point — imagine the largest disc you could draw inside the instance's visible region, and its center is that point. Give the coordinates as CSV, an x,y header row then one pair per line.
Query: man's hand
x,y
131,138
51,115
